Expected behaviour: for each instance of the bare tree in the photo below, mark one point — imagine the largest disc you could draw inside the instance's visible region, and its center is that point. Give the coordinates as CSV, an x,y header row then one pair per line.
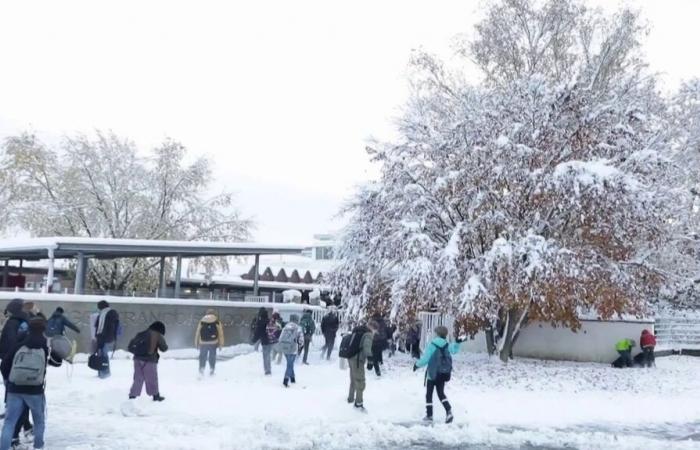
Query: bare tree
x,y
101,187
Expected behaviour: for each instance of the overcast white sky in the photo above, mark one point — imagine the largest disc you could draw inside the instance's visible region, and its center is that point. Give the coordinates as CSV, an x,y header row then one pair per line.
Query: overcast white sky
x,y
282,95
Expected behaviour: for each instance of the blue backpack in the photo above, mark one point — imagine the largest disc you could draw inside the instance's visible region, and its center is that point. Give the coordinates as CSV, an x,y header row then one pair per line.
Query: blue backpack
x,y
440,364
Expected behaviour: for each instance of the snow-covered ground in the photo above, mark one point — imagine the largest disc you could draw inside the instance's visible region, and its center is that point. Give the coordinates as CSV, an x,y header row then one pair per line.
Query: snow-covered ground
x,y
527,404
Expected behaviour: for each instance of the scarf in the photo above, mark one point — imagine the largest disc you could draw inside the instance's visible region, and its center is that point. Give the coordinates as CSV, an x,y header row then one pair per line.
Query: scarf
x,y
101,319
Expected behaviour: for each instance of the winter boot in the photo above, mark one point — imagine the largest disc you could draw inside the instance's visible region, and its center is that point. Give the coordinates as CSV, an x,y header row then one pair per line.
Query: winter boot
x,y
293,380
360,407
131,397
428,419
158,398
449,418
286,382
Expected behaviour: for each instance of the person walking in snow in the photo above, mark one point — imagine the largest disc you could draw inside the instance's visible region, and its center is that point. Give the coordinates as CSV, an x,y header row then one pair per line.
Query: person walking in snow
x,y
648,342
291,340
25,382
145,347
274,330
329,328
260,335
624,349
57,324
208,338
15,330
413,339
363,337
438,359
309,327
106,333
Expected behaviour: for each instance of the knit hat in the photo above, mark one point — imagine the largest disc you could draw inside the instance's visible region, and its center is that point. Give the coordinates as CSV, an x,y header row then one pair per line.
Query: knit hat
x,y
102,304
59,310
158,326
37,325
15,306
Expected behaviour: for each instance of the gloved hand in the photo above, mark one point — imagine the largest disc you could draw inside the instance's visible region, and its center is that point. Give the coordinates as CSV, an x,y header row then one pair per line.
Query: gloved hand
x,y
460,339
415,367
369,365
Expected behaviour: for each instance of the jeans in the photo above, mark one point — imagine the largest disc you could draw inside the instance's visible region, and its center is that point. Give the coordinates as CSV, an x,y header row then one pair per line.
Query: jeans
x,y
15,405
145,371
289,372
649,360
440,387
106,348
307,344
330,343
377,360
266,350
207,352
626,356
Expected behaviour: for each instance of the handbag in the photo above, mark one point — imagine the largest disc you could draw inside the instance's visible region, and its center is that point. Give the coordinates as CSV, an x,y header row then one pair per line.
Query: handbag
x,y
98,361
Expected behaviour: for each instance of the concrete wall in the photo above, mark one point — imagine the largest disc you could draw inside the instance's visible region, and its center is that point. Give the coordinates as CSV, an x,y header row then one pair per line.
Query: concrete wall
x,y
594,341
136,314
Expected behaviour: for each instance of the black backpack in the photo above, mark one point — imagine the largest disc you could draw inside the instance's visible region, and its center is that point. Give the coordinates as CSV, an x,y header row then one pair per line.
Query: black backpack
x,y
140,344
209,332
350,344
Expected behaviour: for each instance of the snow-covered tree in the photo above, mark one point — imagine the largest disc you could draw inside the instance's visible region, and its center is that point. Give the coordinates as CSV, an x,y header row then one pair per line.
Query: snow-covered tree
x,y
538,193
101,187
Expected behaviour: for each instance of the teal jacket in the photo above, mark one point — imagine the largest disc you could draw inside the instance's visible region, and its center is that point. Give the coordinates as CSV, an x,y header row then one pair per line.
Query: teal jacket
x,y
436,343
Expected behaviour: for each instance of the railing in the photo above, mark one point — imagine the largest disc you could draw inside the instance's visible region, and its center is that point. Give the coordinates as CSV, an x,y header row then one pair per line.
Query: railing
x,y
257,298
677,333
430,320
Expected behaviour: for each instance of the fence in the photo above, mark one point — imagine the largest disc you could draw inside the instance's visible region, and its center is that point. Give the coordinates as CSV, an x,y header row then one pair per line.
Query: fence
x,y
430,320
677,333
257,298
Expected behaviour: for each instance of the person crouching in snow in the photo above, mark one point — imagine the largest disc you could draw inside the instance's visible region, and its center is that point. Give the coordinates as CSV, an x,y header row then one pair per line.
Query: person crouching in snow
x,y
648,342
145,347
209,337
624,349
438,358
291,340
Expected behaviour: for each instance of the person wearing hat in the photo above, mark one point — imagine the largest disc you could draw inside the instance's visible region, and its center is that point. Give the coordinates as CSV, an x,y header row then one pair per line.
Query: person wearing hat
x,y
57,324
208,337
23,390
106,332
146,364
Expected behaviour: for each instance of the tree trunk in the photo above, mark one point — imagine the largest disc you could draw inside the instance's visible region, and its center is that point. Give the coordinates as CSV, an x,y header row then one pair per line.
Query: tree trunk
x,y
490,343
514,321
508,334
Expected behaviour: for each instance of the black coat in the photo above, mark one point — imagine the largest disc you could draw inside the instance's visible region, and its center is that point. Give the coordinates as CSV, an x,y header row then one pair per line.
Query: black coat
x,y
15,330
330,324
260,333
109,330
32,341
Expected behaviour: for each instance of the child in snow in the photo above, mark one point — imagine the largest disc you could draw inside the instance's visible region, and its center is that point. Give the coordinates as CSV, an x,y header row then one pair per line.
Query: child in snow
x,y
624,348
260,336
146,363
209,337
274,330
291,340
309,327
356,363
648,342
438,358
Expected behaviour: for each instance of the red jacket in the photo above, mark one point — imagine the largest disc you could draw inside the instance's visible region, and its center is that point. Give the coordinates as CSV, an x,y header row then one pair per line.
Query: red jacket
x,y
647,339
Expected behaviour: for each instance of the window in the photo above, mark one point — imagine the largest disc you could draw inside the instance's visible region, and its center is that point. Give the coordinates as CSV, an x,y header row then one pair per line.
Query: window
x,y
324,253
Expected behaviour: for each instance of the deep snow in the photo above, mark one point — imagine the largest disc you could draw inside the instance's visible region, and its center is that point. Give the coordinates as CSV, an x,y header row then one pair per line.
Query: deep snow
x,y
526,404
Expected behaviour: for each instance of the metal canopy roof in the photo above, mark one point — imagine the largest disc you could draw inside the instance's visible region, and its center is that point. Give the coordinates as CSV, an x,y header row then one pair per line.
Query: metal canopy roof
x,y
99,248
